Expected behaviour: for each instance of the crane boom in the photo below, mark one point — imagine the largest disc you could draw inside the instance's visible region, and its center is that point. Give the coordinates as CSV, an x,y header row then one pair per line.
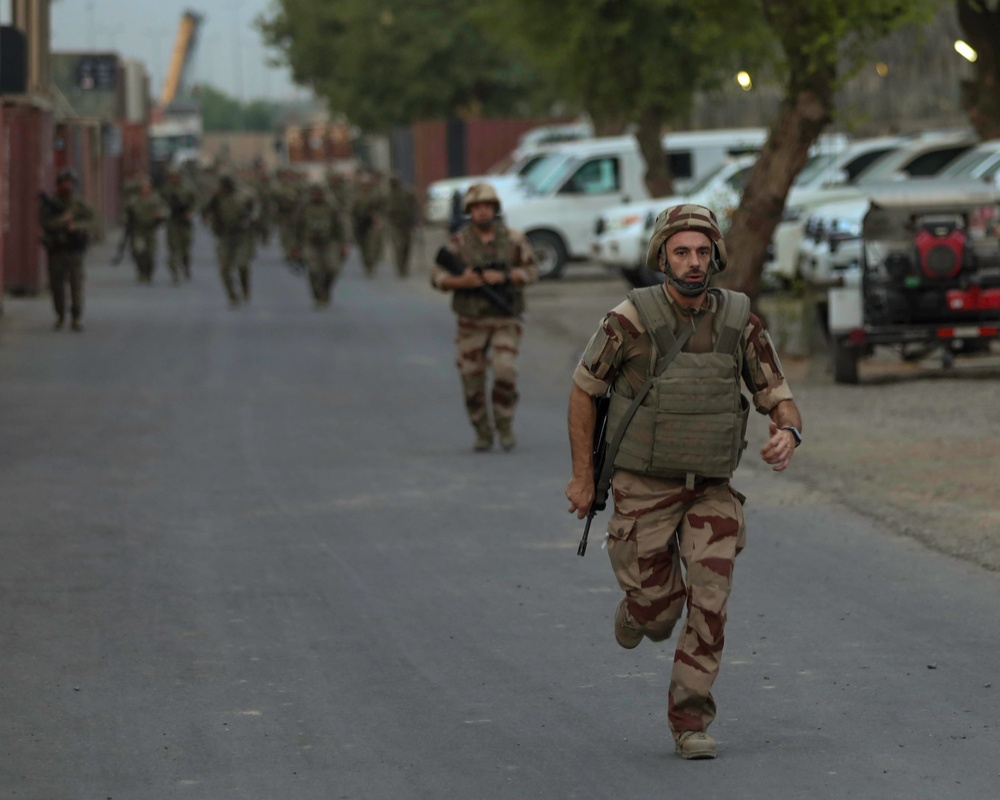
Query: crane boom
x,y
180,60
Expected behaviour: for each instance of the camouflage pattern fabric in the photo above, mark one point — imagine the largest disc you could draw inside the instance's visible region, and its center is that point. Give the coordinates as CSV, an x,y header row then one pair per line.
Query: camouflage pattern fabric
x,y
285,200
320,236
657,526
66,250
686,217
230,214
147,214
708,518
182,200
480,344
367,213
403,214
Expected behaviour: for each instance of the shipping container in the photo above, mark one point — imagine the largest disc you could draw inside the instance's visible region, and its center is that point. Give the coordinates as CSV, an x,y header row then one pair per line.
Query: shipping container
x,y
26,136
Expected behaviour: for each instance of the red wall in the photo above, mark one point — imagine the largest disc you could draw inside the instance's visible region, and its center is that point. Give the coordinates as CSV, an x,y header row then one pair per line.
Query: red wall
x,y
489,141
26,136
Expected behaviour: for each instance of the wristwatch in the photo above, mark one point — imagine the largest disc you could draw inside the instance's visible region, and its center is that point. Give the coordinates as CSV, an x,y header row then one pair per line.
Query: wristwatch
x,y
795,432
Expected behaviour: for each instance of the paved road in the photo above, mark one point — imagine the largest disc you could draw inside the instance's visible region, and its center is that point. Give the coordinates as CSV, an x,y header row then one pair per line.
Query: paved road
x,y
250,554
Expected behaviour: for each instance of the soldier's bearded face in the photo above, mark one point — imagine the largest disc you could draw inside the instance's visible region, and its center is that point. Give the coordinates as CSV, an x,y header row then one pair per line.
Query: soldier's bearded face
x,y
689,253
482,215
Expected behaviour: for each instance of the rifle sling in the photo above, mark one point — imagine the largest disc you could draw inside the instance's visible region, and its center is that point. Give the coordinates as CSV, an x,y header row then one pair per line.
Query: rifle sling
x,y
604,482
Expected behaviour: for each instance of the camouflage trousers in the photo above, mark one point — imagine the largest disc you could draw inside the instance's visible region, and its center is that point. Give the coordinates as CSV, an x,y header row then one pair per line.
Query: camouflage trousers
x,y
66,267
144,253
659,526
234,254
481,343
286,235
323,262
179,248
402,239
370,243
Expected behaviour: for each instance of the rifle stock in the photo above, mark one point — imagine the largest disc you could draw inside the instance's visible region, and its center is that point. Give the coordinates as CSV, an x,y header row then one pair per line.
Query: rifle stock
x,y
599,451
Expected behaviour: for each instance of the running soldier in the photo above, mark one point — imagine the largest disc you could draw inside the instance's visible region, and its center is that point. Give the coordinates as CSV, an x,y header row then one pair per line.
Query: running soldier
x,y
672,358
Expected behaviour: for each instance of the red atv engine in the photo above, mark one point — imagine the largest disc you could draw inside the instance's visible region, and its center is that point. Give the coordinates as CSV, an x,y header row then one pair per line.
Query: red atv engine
x,y
941,247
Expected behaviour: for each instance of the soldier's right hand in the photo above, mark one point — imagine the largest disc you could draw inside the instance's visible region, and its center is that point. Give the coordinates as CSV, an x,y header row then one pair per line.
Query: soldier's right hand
x,y
469,279
580,493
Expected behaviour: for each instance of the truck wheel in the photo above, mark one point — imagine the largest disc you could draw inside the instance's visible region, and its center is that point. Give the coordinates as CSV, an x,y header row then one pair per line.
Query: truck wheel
x,y
550,253
845,362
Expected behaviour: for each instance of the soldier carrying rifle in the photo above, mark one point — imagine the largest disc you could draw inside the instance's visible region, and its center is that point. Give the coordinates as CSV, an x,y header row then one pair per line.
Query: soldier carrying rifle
x,y
498,262
67,223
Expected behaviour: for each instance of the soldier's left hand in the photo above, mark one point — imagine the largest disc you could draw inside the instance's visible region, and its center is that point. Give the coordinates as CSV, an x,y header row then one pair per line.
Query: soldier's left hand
x,y
779,448
494,277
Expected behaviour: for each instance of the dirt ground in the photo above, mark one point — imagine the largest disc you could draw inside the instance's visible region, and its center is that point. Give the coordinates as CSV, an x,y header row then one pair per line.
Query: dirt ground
x,y
914,446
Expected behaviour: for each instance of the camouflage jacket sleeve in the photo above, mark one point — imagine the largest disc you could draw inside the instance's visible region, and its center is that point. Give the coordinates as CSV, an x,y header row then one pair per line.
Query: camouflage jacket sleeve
x,y
524,257
83,217
608,350
439,273
762,369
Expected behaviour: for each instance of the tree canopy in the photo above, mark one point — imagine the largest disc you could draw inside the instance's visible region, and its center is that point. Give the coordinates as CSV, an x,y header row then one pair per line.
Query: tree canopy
x,y
393,62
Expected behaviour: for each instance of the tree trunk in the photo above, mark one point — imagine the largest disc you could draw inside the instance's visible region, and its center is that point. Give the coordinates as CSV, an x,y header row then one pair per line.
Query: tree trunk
x,y
981,95
802,116
659,181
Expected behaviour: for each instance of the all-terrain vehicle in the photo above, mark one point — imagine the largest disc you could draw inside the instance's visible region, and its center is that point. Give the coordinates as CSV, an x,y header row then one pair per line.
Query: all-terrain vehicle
x,y
929,277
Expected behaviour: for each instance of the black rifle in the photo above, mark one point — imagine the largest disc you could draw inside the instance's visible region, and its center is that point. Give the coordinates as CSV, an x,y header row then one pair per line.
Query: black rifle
x,y
447,259
599,451
63,240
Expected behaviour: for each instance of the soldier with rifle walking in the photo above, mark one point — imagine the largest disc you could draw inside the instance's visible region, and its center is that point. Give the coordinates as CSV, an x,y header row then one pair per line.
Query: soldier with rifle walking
x,y
671,359
182,200
320,242
495,264
146,213
230,211
67,224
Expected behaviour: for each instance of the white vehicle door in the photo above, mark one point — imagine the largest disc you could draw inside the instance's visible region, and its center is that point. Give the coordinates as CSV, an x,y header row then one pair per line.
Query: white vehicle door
x,y
595,185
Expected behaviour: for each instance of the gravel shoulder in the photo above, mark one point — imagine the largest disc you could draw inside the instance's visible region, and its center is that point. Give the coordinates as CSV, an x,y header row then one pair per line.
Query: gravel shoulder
x,y
912,446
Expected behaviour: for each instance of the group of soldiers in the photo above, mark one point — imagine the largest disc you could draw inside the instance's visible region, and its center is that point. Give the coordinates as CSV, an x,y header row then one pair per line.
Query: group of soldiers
x,y
316,221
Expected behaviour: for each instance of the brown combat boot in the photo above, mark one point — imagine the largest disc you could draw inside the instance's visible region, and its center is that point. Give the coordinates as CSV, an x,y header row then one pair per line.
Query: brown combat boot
x,y
625,633
505,432
484,438
694,745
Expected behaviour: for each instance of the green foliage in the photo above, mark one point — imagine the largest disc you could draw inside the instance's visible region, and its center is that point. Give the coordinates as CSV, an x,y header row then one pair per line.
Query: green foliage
x,y
220,112
396,61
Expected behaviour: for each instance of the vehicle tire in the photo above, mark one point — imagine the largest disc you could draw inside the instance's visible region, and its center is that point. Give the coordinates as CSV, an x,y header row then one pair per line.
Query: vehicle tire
x,y
550,253
845,362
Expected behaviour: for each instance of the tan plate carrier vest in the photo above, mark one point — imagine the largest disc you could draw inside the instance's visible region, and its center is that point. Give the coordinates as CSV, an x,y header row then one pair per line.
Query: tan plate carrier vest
x,y
692,420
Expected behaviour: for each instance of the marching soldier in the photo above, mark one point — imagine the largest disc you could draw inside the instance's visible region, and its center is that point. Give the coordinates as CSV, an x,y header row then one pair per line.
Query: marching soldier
x,y
146,213
182,200
499,257
230,211
402,213
366,213
67,223
285,199
320,242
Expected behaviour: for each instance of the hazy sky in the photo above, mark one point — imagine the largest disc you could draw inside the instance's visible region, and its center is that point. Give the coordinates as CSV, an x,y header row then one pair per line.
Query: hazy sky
x,y
145,29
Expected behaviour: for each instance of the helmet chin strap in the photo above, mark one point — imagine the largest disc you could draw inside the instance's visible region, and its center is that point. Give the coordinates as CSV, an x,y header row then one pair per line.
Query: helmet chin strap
x,y
688,288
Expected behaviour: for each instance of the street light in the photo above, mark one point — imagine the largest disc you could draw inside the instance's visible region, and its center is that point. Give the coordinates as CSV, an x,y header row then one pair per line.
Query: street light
x,y
743,79
965,50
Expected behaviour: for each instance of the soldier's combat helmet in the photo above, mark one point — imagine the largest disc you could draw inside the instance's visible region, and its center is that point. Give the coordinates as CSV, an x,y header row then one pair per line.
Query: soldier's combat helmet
x,y
687,217
481,193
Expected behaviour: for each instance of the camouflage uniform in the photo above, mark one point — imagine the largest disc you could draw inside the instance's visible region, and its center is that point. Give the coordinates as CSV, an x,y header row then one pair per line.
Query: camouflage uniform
x,y
285,200
182,200
262,184
66,241
673,541
147,213
366,214
485,334
319,237
402,214
230,212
